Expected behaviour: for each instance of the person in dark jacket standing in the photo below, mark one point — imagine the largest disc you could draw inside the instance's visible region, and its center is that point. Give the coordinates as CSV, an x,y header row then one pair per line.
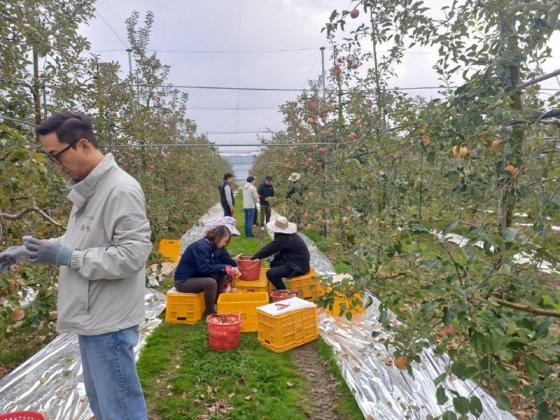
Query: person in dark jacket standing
x,y
265,191
205,266
226,194
291,256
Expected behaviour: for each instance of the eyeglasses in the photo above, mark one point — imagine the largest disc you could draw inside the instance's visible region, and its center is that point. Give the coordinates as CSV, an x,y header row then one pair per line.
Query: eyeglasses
x,y
55,158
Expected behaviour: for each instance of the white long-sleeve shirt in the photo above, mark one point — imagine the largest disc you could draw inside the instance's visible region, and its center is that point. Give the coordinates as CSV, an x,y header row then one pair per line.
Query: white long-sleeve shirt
x,y
229,195
250,196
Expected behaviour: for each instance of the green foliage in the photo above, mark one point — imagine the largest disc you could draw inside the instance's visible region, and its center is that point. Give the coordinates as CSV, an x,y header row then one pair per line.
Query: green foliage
x,y
392,174
179,183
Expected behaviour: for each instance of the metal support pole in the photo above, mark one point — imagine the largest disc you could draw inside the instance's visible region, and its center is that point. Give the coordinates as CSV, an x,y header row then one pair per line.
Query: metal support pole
x,y
323,68
44,92
129,51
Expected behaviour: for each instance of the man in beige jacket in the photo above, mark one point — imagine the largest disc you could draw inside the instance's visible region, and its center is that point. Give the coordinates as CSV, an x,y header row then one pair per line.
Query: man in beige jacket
x,y
102,257
250,198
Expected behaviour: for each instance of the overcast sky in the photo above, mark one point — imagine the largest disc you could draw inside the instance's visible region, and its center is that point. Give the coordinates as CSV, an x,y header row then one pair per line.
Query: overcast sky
x,y
203,39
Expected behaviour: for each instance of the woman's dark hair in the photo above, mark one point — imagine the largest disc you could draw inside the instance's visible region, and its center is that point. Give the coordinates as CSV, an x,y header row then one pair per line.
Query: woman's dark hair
x,y
69,128
227,176
250,179
215,235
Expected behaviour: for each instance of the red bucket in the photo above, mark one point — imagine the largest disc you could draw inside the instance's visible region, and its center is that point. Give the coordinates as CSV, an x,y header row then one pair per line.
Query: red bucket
x,y
22,415
279,295
223,331
250,269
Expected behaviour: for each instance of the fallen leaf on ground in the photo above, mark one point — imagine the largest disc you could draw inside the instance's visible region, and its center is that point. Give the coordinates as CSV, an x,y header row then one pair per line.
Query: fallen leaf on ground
x,y
290,384
248,398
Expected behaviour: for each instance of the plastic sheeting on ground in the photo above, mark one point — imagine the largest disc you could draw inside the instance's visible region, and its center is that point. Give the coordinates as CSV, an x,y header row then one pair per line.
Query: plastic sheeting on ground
x,y
381,391
385,392
199,229
51,381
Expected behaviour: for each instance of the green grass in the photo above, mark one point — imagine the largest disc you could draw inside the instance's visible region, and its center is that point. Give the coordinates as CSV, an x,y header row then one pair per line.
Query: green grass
x,y
243,245
183,378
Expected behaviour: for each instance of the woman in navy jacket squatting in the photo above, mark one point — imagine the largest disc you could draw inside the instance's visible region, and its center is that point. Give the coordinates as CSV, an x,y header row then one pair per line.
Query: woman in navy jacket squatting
x,y
205,266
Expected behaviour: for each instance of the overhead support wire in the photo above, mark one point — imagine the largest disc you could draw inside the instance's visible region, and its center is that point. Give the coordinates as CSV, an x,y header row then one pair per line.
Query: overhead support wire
x,y
224,145
111,29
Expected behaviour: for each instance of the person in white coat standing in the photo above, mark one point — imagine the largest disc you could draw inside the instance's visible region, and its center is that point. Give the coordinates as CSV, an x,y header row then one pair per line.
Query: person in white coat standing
x,y
250,198
102,257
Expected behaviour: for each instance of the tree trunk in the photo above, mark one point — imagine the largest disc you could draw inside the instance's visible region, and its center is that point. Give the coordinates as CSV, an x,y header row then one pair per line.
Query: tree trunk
x,y
511,71
36,88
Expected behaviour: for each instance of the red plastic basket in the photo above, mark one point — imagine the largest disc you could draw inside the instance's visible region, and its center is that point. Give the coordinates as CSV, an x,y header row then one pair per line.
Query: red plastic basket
x,y
250,269
22,415
224,331
279,295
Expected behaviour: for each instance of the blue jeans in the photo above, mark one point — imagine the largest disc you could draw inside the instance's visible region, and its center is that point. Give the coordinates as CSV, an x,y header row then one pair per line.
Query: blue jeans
x,y
249,221
110,377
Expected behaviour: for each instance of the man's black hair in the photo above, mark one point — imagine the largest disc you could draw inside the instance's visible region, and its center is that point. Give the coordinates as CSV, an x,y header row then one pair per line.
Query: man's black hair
x,y
227,176
250,179
69,128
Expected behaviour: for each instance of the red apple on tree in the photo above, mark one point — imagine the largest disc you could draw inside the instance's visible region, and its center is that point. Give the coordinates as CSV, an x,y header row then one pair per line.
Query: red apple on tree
x,y
354,13
337,70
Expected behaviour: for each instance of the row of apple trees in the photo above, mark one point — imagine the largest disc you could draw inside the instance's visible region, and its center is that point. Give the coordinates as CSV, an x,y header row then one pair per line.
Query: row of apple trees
x,y
444,209
45,67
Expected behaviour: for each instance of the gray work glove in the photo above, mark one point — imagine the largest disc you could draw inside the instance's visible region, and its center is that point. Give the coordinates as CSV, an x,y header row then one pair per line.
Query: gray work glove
x,y
13,255
47,252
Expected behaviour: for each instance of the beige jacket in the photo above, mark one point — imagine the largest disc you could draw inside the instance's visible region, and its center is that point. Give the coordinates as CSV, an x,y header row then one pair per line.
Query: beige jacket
x,y
103,289
250,196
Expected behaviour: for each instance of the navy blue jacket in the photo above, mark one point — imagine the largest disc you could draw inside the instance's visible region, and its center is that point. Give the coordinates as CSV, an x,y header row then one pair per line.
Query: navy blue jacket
x,y
202,259
264,192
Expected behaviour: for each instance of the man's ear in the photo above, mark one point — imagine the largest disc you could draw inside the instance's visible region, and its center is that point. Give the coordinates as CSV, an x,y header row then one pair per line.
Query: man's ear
x,y
85,145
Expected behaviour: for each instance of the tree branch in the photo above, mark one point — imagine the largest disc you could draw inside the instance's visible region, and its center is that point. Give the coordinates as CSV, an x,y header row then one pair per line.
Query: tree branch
x,y
384,276
539,181
22,213
530,309
539,79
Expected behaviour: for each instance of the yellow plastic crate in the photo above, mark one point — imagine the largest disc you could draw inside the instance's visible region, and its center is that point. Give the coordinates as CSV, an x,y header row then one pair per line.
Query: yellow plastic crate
x,y
260,285
309,285
171,249
184,308
340,298
286,331
244,303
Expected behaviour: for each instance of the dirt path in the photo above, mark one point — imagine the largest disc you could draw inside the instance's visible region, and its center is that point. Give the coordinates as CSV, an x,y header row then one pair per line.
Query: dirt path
x,y
323,385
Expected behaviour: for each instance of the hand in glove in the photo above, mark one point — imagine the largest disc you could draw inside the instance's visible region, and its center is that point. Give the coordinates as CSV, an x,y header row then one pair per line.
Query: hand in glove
x,y
13,255
44,251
